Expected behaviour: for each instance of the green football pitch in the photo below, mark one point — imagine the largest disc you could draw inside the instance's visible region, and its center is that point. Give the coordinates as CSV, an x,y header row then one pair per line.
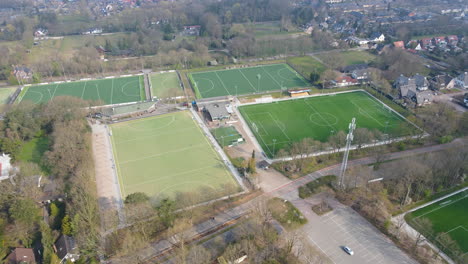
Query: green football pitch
x,y
165,85
109,91
226,136
258,79
276,125
450,216
165,155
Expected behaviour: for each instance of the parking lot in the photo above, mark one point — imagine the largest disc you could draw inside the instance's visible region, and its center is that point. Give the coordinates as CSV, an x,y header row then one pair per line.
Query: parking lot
x,y
344,227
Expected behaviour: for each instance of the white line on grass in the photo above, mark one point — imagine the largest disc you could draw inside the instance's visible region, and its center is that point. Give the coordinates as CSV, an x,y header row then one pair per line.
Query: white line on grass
x,y
440,207
272,77
319,114
222,83
245,77
84,89
162,153
55,90
112,91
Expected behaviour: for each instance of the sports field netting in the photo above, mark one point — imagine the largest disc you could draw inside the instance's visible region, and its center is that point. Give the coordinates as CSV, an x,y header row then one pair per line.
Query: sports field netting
x,y
449,216
109,91
167,154
165,85
227,136
276,125
258,79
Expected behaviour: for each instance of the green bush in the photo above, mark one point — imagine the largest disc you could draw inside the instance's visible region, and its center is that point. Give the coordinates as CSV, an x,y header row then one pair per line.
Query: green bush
x,y
313,187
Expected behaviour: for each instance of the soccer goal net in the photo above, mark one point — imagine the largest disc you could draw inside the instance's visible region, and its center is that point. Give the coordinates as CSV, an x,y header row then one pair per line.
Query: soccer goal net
x,y
255,128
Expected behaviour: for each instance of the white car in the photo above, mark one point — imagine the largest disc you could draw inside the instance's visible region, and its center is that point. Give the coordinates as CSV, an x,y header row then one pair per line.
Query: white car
x,y
348,250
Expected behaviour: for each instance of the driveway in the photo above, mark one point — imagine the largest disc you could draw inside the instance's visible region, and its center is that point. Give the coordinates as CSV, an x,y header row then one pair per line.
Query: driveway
x,y
344,227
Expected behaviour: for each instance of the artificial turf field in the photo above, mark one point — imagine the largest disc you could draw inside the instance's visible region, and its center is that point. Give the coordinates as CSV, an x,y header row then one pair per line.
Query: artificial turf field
x,y
166,154
109,91
449,215
165,85
245,80
277,124
226,136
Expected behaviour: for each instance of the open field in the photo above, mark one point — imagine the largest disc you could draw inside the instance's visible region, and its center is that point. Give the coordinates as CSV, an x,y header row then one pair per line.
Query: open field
x,y
450,216
109,91
276,125
165,85
226,135
350,57
258,79
5,94
262,29
306,65
168,154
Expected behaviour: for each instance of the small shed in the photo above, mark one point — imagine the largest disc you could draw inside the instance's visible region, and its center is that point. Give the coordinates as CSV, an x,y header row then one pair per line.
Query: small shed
x,y
298,92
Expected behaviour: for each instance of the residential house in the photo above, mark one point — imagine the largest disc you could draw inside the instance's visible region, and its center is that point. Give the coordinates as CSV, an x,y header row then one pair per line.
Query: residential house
x,y
399,44
21,256
22,73
66,249
441,82
414,89
452,40
343,81
191,30
426,43
440,41
39,33
377,37
462,80
361,75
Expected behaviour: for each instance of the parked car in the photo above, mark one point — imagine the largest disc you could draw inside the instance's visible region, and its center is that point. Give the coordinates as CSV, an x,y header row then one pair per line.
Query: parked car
x,y
348,250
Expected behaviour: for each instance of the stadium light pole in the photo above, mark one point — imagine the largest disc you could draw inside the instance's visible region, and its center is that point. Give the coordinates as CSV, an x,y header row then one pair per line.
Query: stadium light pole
x,y
349,139
258,82
274,145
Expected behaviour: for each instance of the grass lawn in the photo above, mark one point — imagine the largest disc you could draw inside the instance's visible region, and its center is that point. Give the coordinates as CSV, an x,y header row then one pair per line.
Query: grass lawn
x,y
165,85
258,79
226,136
351,57
286,213
305,65
166,155
449,216
109,91
5,94
276,125
33,150
262,29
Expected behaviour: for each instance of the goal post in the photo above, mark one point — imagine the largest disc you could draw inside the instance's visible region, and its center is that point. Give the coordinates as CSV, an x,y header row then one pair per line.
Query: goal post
x,y
255,128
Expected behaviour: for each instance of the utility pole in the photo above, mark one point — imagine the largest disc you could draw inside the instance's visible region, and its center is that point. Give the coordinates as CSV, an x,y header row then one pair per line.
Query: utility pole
x,y
349,139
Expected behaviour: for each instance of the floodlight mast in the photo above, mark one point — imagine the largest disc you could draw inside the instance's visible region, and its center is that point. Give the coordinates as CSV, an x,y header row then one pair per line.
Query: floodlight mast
x,y
349,140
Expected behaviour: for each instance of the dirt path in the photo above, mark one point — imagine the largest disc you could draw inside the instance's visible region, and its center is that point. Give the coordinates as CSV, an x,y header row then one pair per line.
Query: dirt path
x,y
106,175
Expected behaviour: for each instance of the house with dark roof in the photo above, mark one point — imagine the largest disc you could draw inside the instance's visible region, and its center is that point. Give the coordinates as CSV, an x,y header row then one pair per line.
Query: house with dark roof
x,y
21,256
377,37
461,80
442,81
66,249
217,111
354,67
414,89
22,73
362,75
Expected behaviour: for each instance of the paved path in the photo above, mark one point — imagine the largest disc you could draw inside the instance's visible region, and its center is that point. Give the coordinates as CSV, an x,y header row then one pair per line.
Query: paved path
x,y
288,190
